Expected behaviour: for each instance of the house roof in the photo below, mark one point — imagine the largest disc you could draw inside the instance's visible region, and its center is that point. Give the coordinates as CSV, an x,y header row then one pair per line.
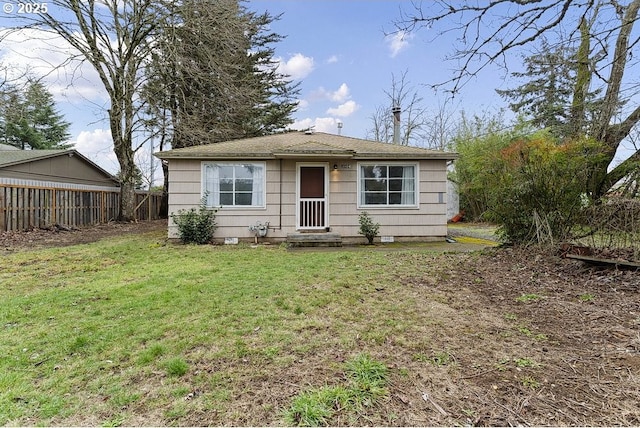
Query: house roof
x,y
300,144
16,157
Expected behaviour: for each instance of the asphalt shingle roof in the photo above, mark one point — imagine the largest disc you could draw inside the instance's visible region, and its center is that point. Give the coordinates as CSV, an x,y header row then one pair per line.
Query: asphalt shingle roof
x,y
300,144
13,157
17,157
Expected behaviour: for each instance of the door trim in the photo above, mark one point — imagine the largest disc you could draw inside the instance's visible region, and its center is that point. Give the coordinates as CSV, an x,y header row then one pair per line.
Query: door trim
x,y
300,225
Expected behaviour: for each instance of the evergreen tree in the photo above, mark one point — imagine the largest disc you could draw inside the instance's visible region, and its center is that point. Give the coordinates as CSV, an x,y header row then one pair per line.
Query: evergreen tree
x,y
214,76
29,119
548,98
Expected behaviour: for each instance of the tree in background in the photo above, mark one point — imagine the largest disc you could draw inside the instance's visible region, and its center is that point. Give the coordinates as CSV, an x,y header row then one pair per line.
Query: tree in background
x,y
413,114
419,126
213,76
546,99
29,119
491,31
523,180
114,36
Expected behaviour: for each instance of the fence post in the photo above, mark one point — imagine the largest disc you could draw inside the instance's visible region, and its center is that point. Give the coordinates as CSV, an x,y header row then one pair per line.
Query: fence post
x,y
3,210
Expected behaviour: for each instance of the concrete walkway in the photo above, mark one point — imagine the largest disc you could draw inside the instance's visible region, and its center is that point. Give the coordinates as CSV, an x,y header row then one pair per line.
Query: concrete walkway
x,y
468,237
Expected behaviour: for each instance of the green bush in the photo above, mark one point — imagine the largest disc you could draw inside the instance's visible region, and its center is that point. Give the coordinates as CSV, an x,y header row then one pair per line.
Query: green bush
x,y
368,228
543,188
196,226
532,185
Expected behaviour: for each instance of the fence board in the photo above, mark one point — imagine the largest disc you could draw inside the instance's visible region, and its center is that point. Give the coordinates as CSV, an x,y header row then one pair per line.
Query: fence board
x,y
24,207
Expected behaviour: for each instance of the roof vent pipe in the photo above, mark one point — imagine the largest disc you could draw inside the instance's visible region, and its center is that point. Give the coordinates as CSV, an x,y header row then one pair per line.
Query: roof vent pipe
x,y
396,124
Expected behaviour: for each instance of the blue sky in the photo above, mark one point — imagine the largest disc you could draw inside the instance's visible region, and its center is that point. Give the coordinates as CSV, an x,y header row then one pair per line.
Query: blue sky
x,y
337,50
345,57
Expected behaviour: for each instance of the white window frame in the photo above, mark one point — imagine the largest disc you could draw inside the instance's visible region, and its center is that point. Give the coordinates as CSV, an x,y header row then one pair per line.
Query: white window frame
x,y
416,189
203,185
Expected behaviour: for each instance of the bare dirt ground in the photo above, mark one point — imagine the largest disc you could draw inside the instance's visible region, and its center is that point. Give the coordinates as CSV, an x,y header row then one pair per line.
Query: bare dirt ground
x,y
564,348
524,337
44,238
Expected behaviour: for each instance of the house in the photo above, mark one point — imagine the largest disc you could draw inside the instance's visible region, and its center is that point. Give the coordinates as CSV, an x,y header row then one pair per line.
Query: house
x,y
294,186
52,168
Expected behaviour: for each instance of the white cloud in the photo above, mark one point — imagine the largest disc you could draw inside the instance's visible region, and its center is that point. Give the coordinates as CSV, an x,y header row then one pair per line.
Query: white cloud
x,y
302,124
398,42
97,145
332,59
319,124
303,105
327,124
47,56
345,109
340,95
297,67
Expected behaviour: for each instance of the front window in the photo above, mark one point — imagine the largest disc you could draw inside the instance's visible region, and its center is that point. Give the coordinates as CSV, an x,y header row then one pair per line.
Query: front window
x,y
233,185
388,185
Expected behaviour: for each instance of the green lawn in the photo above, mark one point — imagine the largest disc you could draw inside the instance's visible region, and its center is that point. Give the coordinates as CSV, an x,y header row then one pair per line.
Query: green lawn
x,y
134,331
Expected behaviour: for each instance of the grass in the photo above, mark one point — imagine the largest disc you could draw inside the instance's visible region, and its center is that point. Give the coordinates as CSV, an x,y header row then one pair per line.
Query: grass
x,y
529,297
132,331
586,297
366,381
94,334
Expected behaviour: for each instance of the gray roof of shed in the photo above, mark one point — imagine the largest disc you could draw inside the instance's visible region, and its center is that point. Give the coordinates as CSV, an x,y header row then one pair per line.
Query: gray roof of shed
x,y
300,144
16,157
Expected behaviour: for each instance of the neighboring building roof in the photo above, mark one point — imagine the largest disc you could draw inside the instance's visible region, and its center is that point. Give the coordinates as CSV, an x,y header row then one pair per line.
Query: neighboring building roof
x,y
16,157
8,147
300,144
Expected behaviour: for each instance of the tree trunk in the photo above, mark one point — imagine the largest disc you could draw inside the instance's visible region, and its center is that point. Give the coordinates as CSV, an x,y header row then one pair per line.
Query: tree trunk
x,y
127,210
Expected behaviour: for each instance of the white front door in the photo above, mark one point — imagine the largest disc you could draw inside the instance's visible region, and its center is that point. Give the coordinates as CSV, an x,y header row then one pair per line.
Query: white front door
x,y
313,206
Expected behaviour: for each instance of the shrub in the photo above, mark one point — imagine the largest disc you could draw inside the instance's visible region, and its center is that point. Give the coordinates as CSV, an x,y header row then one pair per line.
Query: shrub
x,y
368,228
196,225
531,184
542,190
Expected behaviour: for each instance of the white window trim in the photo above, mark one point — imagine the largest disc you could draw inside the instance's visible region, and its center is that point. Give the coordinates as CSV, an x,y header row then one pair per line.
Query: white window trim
x,y
235,207
416,190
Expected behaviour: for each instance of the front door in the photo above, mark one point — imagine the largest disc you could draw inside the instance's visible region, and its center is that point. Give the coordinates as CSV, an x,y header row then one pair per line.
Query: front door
x,y
312,197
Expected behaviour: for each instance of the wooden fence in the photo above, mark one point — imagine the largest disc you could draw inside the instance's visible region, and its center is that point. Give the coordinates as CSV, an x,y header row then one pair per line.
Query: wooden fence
x,y
26,207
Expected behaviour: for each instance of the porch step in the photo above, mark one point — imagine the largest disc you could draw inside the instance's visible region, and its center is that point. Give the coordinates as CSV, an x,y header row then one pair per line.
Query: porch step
x,y
323,239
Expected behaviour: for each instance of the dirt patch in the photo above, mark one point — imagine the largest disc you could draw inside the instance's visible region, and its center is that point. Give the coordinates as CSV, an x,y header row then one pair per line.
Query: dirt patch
x,y
54,237
536,340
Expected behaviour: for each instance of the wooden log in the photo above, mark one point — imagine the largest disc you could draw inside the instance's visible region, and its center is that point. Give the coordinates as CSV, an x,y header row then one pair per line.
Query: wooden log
x,y
603,262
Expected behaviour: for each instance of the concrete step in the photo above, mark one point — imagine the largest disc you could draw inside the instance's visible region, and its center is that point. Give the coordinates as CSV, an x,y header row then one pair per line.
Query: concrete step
x,y
321,239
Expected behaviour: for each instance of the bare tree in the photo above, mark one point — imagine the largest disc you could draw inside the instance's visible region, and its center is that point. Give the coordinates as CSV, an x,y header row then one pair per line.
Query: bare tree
x,y
419,126
489,32
113,36
412,117
441,126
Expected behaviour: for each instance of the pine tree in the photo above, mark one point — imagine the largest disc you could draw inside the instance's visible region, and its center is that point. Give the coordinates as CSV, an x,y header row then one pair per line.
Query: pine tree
x,y
214,76
29,119
546,99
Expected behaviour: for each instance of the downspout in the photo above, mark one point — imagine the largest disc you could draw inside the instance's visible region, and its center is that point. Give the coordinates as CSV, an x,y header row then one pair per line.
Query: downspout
x,y
279,199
